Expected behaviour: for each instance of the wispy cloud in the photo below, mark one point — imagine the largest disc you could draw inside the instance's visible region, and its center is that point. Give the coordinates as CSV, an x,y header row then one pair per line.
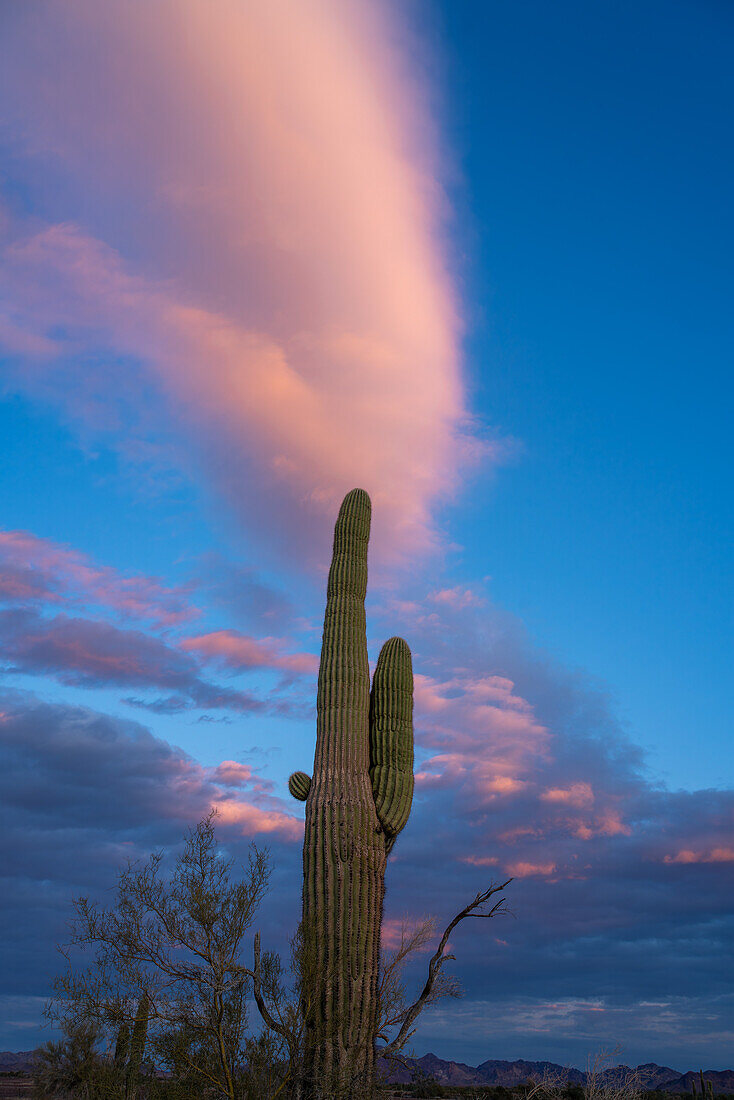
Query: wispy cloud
x,y
92,653
35,570
38,577
713,855
309,340
240,651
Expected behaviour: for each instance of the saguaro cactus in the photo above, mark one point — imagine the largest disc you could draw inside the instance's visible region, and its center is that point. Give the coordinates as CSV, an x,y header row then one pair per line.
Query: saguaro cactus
x,y
356,803
138,1039
122,1044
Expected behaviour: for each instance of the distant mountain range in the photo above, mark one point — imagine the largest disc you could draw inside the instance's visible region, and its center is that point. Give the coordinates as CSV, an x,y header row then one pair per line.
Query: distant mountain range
x,y
496,1072
16,1061
491,1072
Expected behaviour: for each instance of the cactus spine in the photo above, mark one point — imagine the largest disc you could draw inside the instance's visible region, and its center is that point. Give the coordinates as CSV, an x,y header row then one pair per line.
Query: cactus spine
x,y
356,803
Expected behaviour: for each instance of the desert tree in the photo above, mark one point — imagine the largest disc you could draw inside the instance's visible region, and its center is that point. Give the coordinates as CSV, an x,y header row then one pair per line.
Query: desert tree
x,y
607,1080
71,1066
176,945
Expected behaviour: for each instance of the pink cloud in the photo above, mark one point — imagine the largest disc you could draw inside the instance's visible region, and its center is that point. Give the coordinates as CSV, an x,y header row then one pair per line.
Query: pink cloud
x,y
253,811
578,795
504,784
125,774
480,861
488,740
239,651
524,869
714,855
511,836
457,769
457,597
94,653
35,569
251,820
393,929
391,932
17,341
232,774
515,785
608,823
309,341
91,650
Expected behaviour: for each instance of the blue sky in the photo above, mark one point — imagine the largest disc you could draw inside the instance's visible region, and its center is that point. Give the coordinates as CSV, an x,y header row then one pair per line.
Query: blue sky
x,y
486,275
596,166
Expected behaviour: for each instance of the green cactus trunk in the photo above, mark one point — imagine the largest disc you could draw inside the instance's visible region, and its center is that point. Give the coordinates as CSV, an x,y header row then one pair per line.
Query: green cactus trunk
x,y
138,1040
119,1064
122,1044
357,801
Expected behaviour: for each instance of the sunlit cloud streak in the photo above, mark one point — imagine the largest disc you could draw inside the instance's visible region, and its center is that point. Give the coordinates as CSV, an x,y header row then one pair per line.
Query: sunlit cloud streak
x,y
714,855
92,653
36,570
40,581
285,284
239,651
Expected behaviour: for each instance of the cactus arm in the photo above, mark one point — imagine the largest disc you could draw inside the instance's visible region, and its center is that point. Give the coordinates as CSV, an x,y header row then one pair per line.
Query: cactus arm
x,y
122,1045
391,737
299,785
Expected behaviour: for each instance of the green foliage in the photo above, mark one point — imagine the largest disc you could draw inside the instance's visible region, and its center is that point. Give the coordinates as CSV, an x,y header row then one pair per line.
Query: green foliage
x,y
357,802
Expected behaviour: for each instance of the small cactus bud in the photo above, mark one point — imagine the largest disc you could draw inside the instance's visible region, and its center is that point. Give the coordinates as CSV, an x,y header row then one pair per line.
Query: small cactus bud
x,y
299,785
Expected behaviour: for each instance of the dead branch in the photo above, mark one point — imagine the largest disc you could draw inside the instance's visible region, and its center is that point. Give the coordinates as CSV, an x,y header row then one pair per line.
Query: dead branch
x,y
437,961
262,1008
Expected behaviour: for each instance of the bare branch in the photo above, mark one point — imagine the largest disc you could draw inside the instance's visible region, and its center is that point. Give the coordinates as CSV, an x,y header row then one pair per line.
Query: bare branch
x,y
437,961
